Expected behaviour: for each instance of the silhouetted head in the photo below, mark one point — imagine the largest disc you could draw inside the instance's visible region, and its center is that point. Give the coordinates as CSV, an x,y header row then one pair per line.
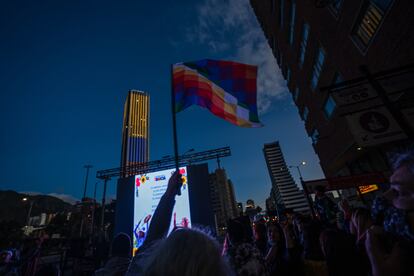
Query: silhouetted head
x,y
401,192
339,251
319,191
186,252
260,232
121,246
275,234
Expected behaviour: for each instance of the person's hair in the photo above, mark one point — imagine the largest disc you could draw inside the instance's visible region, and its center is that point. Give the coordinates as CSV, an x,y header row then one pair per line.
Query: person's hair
x,y
289,211
401,159
48,270
260,230
362,213
240,230
320,189
282,243
121,246
339,252
186,252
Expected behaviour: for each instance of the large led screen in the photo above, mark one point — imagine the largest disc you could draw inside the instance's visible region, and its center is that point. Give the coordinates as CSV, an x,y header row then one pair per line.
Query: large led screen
x,y
149,189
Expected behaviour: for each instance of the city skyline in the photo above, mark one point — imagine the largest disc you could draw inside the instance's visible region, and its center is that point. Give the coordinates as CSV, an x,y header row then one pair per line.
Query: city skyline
x,y
63,87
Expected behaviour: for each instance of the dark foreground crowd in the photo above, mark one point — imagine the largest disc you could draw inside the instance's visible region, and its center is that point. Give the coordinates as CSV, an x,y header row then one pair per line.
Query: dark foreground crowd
x,y
338,240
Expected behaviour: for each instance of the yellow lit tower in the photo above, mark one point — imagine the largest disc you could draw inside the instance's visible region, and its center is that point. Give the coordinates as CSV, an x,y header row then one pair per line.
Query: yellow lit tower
x,y
135,129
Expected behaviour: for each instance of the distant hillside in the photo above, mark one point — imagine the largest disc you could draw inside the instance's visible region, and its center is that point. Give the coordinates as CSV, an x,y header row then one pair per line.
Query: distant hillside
x,y
14,208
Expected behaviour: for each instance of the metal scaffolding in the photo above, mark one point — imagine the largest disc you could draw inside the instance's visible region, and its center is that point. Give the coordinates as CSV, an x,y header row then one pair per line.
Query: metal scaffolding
x,y
165,163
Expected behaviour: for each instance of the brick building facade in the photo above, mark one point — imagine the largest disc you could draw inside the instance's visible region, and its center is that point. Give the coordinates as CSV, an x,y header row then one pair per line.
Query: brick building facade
x,y
317,47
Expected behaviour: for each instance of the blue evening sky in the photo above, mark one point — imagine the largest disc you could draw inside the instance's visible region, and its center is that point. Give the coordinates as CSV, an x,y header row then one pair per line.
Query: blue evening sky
x,y
65,70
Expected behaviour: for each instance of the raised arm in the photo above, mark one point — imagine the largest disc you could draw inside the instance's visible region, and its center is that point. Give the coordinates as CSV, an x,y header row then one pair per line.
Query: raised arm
x,y
160,222
162,216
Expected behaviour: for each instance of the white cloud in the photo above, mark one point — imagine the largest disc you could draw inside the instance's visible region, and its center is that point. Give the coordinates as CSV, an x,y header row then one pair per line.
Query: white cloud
x,y
231,24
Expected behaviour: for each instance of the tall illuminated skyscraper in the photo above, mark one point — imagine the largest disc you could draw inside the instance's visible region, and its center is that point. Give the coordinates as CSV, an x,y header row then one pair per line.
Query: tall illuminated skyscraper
x,y
135,129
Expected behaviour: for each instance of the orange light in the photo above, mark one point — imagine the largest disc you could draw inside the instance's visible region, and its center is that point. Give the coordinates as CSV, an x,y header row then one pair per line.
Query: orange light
x,y
367,188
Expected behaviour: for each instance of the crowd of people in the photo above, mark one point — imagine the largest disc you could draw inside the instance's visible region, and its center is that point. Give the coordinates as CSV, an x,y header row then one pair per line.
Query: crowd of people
x,y
338,240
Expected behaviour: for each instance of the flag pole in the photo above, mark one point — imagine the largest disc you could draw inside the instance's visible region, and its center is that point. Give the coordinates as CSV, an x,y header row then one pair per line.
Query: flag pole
x,y
174,126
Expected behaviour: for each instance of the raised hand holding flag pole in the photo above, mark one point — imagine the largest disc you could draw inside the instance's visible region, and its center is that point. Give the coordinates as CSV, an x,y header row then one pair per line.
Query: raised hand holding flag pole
x,y
227,89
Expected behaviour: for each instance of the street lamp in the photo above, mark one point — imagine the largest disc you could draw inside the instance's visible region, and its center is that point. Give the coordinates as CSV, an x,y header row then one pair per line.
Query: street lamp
x,y
25,199
305,189
303,163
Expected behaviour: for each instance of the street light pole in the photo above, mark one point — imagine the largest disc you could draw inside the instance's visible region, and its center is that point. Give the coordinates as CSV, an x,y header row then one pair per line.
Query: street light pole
x,y
30,210
94,206
87,167
103,202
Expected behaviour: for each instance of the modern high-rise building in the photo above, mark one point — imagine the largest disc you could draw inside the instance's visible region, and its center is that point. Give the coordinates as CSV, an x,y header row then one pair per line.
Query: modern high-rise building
x,y
318,44
285,192
135,129
223,200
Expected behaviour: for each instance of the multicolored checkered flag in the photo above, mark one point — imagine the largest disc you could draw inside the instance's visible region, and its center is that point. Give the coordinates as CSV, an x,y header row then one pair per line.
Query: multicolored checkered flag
x,y
226,88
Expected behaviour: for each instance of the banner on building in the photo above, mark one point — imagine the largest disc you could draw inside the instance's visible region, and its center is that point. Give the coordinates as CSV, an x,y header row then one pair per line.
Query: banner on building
x,y
352,94
374,126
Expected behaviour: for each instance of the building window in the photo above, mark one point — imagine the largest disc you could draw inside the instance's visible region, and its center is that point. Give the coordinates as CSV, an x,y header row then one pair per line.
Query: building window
x,y
305,113
296,94
292,22
338,78
303,43
281,61
329,107
282,7
317,67
288,75
315,136
336,6
369,21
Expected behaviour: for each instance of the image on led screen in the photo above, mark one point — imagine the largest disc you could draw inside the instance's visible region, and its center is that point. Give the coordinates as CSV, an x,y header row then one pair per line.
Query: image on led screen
x,y
149,189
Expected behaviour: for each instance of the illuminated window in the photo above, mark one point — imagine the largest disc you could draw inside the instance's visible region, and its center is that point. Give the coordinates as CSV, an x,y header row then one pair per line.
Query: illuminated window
x,y
292,21
315,136
369,21
317,67
329,107
303,43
